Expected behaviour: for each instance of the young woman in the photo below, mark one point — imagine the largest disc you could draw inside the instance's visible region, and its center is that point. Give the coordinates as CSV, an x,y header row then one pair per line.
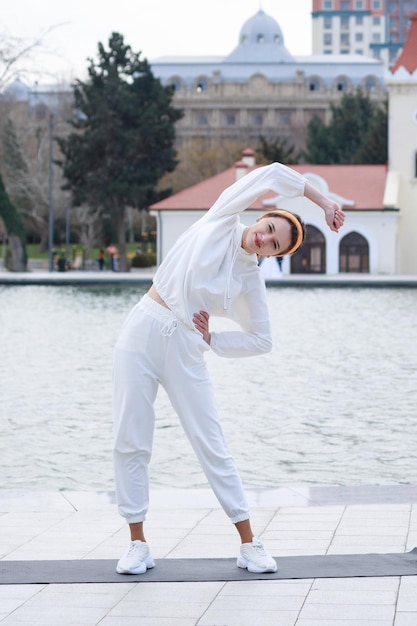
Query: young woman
x,y
211,270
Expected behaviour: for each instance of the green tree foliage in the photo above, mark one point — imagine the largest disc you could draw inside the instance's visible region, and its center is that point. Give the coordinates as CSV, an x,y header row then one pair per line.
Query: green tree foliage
x,y
276,150
15,231
124,136
356,134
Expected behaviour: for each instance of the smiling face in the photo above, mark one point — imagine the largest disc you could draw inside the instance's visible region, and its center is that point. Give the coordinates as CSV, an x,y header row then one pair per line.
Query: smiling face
x,y
269,236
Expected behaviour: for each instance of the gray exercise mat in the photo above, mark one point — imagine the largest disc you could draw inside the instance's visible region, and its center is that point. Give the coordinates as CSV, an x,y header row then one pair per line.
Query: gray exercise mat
x,y
205,570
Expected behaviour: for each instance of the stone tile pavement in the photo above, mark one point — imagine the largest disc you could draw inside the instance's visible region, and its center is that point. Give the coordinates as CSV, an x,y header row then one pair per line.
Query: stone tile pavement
x,y
293,521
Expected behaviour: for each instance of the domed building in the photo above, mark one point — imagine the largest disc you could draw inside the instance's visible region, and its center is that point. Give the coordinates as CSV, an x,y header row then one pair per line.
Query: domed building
x,y
260,88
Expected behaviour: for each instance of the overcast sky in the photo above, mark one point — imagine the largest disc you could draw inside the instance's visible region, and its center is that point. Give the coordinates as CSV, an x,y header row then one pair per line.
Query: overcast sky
x,y
154,27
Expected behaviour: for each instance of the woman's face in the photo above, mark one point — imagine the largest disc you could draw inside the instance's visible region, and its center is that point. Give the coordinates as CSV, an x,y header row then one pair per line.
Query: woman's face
x,y
269,236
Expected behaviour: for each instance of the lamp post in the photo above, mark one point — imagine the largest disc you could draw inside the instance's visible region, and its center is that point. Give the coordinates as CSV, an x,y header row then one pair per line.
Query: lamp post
x,y
50,194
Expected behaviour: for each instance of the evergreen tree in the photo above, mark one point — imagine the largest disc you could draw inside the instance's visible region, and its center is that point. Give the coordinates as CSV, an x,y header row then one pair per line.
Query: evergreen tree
x,y
374,148
357,133
15,231
319,143
124,136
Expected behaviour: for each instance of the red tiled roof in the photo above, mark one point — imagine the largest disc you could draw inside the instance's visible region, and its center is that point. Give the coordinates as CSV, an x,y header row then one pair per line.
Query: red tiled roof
x,y
364,184
408,56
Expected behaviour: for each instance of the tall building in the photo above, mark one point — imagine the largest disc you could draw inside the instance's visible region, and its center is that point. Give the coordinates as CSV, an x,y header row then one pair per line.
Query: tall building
x,y
376,28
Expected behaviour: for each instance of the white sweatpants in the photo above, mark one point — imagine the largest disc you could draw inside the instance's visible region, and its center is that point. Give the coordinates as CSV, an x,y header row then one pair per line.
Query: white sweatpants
x,y
154,348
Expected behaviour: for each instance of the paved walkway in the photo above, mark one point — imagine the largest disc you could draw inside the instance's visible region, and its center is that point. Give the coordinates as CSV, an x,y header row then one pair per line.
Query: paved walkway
x,y
189,524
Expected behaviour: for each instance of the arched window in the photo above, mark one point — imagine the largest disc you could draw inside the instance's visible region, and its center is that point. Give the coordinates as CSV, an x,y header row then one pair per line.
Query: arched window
x,y
175,83
354,254
201,85
311,257
341,85
314,84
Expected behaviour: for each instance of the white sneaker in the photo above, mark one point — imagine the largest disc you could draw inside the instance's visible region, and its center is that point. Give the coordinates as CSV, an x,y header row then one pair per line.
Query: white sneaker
x,y
255,558
136,560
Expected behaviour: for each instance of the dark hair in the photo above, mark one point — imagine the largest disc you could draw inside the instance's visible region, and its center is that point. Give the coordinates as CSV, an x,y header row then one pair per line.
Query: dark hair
x,y
294,230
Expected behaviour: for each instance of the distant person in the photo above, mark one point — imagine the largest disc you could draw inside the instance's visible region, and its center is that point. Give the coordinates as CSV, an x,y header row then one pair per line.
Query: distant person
x,y
212,269
100,259
112,252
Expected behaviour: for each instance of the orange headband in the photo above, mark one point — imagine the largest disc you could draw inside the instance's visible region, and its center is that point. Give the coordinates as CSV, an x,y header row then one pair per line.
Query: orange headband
x,y
293,220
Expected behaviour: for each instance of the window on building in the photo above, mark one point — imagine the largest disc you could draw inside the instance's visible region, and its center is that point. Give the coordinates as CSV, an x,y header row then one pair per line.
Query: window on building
x,y
376,53
376,37
327,22
344,51
345,5
260,39
376,20
285,118
257,119
359,5
327,51
359,20
327,39
358,51
314,84
175,84
327,5
230,119
370,84
354,254
201,86
358,36
376,5
341,84
344,39
344,22
202,119
392,55
277,39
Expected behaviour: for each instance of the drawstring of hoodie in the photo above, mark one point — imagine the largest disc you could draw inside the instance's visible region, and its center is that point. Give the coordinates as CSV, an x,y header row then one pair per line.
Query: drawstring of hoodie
x,y
227,294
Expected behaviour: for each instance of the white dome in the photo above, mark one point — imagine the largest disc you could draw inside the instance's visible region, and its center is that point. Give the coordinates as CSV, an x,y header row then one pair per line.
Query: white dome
x,y
260,39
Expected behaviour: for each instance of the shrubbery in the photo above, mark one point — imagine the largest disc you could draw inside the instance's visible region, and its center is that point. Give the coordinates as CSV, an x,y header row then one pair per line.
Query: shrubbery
x,y
145,259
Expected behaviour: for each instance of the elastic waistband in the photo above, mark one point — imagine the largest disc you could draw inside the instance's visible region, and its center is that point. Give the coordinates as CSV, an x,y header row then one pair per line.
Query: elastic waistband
x,y
167,318
157,310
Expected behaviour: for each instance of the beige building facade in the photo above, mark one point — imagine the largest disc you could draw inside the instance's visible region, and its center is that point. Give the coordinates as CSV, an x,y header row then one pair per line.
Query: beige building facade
x,y
260,88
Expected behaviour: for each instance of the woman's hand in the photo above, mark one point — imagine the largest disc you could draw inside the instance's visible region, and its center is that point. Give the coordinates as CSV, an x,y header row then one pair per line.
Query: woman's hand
x,y
201,322
334,217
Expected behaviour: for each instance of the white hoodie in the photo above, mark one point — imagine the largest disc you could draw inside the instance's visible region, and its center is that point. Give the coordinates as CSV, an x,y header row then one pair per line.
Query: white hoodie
x,y
208,270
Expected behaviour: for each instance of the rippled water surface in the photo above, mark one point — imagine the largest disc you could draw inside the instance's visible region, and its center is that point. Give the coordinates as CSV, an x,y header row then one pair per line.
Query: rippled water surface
x,y
335,402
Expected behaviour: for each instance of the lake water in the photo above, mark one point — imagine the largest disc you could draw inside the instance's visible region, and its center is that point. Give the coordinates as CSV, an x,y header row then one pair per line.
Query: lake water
x,y
334,403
